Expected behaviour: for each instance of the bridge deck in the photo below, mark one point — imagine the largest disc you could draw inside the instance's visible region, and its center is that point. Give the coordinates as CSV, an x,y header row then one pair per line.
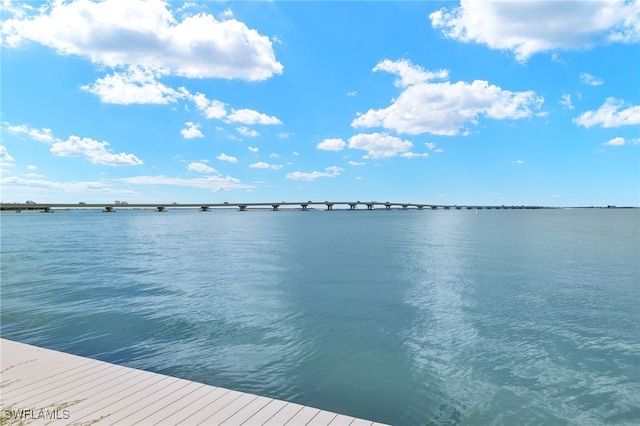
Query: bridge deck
x,y
41,386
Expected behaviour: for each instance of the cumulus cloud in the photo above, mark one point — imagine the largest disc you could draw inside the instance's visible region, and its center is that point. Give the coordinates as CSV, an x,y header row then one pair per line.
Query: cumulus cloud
x,y
5,157
191,131
263,165
590,80
331,145
414,154
529,27
443,108
247,132
432,147
249,116
565,101
18,182
331,171
228,158
134,85
210,108
253,149
214,183
379,145
356,163
145,33
43,135
409,74
94,151
619,141
201,168
610,115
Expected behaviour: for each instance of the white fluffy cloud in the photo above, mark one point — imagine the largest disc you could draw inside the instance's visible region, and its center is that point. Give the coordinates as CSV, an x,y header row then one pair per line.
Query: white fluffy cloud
x,y
214,183
565,101
414,154
201,168
191,131
210,108
247,132
5,157
253,149
529,27
228,158
18,182
610,115
94,151
145,33
331,145
135,85
263,165
249,116
590,80
42,135
331,171
619,141
443,108
379,145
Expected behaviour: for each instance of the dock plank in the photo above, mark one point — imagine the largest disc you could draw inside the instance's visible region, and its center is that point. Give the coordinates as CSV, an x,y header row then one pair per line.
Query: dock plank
x,y
248,411
72,390
303,416
284,415
266,412
114,399
211,409
229,410
146,407
341,420
322,418
198,400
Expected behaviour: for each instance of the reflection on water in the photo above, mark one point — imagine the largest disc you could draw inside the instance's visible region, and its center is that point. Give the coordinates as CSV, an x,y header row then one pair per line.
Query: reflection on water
x,y
404,317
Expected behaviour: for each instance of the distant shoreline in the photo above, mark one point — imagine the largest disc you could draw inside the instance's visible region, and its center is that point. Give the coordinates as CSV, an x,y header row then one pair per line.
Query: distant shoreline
x,y
291,206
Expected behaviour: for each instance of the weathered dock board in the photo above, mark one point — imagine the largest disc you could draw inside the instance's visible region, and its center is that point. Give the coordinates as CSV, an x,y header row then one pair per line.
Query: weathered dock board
x,y
40,386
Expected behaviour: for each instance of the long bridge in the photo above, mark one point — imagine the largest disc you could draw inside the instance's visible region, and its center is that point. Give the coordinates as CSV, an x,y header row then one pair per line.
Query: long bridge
x,y
300,205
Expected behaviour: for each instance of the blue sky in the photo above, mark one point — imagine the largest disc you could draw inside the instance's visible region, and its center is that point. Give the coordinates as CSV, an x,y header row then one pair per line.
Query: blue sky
x,y
470,102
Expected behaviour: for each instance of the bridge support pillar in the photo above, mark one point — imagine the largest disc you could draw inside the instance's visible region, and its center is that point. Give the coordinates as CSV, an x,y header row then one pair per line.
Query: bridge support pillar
x,y
329,206
304,207
420,207
434,207
204,208
47,210
369,206
275,207
243,208
352,206
387,206
405,206
108,209
161,209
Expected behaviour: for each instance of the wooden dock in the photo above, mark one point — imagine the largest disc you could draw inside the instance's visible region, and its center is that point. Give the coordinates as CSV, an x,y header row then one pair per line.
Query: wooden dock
x,y
42,386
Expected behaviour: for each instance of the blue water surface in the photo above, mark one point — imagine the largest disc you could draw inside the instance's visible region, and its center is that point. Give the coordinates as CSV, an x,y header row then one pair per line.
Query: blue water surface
x,y
403,317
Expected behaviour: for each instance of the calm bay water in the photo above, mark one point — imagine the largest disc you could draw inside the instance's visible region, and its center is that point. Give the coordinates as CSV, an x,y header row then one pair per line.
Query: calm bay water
x,y
404,317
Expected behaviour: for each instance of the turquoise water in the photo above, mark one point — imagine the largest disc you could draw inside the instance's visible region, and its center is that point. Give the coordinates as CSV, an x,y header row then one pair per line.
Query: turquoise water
x,y
405,317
